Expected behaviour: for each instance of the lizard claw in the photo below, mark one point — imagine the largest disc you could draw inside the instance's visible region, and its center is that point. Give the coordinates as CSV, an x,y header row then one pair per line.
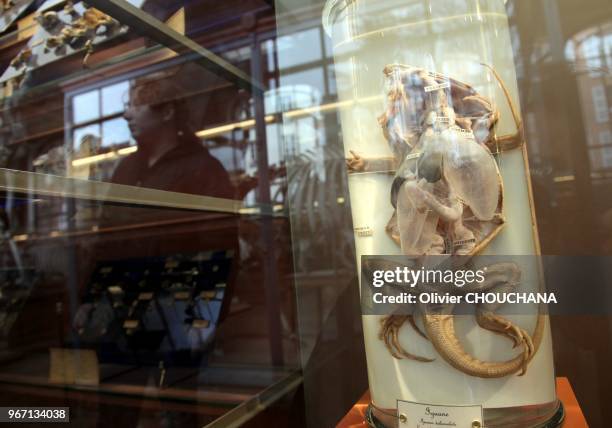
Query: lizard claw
x,y
389,334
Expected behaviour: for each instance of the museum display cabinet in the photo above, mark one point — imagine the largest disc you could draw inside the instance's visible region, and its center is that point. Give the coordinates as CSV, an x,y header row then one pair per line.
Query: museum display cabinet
x,y
143,283
191,191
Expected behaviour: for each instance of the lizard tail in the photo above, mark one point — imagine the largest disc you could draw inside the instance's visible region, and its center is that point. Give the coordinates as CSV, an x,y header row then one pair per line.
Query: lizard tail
x,y
441,332
507,142
513,109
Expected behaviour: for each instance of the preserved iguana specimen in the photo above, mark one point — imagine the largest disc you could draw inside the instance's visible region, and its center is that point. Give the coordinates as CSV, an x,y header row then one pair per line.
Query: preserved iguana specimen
x,y
448,199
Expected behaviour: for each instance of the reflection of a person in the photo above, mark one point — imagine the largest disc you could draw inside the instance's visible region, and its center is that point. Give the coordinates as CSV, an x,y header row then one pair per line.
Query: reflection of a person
x,y
170,156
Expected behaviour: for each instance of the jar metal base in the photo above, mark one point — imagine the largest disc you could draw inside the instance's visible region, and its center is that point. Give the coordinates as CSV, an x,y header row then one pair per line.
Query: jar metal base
x,y
553,422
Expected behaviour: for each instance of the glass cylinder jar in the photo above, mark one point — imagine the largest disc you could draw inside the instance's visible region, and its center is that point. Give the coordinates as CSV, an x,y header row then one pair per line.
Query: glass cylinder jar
x,y
460,53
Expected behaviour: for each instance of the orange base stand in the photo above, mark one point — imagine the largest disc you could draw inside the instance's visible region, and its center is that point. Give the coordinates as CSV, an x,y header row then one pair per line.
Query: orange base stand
x,y
574,418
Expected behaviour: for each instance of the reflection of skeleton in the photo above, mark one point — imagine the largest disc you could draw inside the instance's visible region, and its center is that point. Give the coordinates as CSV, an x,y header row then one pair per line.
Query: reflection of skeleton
x,y
448,197
62,29
48,20
7,4
22,58
84,28
94,19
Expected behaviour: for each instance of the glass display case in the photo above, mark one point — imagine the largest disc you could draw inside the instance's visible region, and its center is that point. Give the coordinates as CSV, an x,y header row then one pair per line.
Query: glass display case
x,y
191,191
147,269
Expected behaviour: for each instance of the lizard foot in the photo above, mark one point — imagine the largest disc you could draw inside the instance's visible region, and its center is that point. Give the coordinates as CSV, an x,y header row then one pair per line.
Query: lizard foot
x,y
416,327
389,334
501,325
